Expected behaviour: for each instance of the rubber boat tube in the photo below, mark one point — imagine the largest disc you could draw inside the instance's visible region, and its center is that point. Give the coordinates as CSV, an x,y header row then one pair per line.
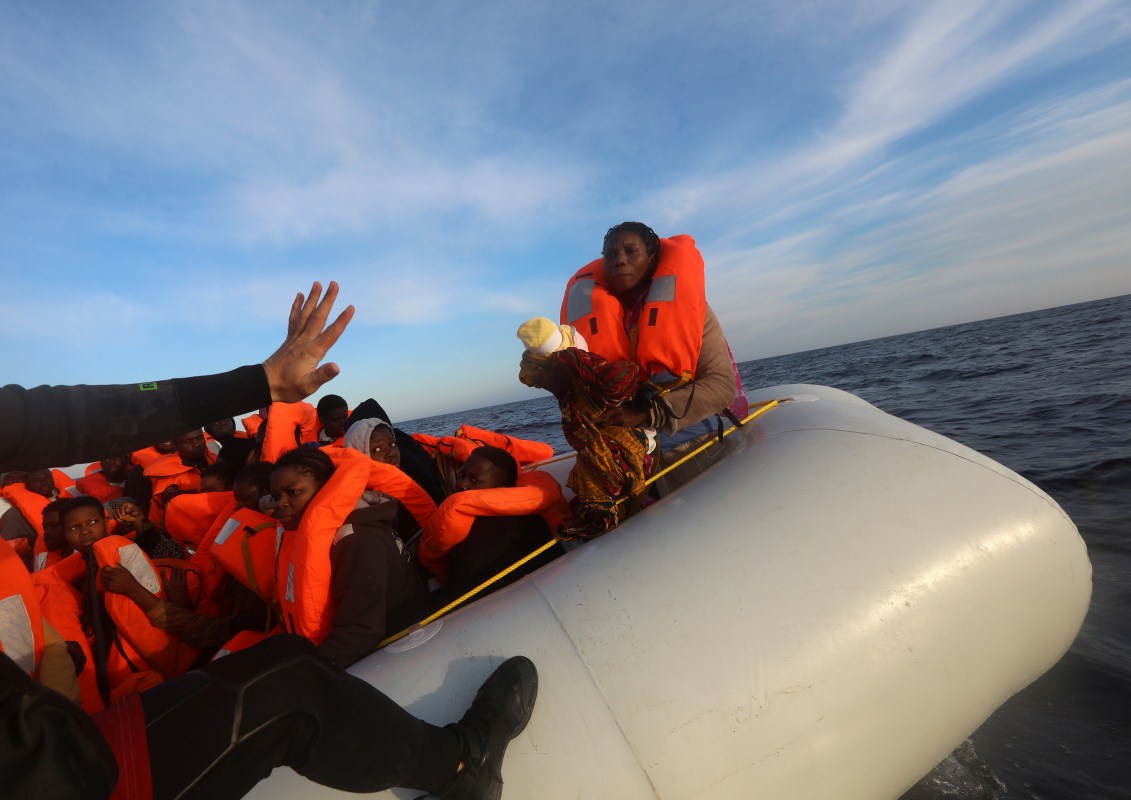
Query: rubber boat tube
x,y
828,612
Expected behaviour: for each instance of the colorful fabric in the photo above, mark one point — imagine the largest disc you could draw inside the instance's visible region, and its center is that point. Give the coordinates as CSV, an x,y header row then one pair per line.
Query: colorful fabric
x,y
610,460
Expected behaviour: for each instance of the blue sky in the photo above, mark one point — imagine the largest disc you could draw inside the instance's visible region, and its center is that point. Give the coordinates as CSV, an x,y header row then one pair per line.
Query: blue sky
x,y
171,174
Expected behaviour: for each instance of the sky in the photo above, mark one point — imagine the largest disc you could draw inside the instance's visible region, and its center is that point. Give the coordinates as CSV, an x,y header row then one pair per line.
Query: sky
x,y
171,174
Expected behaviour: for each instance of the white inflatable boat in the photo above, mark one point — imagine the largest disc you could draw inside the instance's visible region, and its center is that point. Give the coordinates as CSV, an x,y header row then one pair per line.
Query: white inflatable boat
x,y
826,613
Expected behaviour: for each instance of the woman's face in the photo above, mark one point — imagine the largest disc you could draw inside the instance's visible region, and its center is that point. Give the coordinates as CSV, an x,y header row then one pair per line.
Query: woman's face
x,y
627,262
383,446
293,490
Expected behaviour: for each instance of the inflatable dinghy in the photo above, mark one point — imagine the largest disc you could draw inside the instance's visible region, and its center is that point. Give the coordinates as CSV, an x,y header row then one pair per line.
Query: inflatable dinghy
x,y
826,613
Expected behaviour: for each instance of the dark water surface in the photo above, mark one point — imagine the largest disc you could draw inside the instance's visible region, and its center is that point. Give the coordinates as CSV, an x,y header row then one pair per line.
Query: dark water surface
x,y
1048,394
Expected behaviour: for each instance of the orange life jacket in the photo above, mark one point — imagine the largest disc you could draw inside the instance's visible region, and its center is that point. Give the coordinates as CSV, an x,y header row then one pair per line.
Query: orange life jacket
x,y
31,505
286,422
95,484
251,423
451,446
244,546
168,471
525,451
21,620
669,334
146,456
154,648
536,493
302,578
62,608
391,481
189,516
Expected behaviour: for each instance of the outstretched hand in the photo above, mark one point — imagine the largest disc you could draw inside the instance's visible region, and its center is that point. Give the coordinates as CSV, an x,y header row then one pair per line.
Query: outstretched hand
x,y
293,371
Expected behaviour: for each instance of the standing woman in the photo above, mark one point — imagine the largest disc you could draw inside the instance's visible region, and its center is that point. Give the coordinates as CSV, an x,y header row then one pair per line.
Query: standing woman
x,y
644,301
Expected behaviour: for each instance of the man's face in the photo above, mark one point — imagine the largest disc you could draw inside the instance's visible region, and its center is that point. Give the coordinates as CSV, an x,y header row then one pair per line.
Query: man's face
x,y
334,422
40,481
53,535
191,446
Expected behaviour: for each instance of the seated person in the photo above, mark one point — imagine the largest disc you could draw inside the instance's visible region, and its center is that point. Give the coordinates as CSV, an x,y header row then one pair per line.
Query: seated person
x,y
132,649
148,535
179,471
54,539
235,445
343,576
108,481
218,477
412,458
491,521
22,524
374,438
333,419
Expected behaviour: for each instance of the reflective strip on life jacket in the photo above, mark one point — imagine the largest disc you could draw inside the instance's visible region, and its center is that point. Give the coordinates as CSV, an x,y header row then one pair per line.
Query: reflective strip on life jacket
x,y
21,621
157,649
244,547
536,493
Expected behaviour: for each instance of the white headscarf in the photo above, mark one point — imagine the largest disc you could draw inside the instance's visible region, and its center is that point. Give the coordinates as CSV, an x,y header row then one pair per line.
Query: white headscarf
x,y
359,434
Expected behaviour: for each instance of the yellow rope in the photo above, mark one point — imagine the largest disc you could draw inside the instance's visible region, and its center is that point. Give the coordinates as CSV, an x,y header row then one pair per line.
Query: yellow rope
x,y
452,605
762,408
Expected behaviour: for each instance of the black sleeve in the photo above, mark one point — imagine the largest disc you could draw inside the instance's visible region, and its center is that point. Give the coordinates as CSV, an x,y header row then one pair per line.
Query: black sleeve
x,y
359,569
56,426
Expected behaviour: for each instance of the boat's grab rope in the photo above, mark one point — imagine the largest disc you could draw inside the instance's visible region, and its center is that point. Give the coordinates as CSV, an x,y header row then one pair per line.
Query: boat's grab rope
x,y
758,411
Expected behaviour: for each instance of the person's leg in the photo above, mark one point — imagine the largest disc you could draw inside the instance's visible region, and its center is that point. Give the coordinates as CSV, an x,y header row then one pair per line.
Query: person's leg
x,y
218,731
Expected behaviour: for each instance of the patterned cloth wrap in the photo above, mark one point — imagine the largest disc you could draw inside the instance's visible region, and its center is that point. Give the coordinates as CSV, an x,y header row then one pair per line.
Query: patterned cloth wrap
x,y
610,460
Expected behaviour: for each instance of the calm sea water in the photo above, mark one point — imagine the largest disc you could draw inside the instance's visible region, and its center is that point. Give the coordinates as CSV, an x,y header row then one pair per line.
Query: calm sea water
x,y
1048,394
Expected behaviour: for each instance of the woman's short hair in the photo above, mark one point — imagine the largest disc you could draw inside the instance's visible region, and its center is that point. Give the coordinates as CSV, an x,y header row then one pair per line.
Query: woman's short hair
x,y
651,240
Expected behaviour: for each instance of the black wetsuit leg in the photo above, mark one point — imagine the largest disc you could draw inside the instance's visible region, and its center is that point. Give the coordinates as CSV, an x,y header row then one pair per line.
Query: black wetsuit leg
x,y
217,731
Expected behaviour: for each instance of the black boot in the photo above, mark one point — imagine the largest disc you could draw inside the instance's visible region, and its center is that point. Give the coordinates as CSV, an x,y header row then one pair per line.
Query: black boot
x,y
499,713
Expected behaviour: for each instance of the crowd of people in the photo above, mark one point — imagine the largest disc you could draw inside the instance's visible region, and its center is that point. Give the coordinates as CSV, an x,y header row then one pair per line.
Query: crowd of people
x,y
204,558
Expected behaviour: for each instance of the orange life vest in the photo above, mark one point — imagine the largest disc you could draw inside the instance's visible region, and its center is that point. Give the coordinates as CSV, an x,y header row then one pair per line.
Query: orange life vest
x,y
155,648
244,546
96,485
286,422
212,575
189,516
389,480
21,620
146,456
31,505
62,608
669,333
302,586
451,446
525,451
251,423
536,493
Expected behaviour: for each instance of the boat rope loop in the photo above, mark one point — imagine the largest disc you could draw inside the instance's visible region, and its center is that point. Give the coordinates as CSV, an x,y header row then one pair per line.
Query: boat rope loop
x,y
759,410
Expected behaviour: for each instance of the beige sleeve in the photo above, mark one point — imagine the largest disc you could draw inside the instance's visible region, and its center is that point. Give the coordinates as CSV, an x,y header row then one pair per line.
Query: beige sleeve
x,y
712,390
56,669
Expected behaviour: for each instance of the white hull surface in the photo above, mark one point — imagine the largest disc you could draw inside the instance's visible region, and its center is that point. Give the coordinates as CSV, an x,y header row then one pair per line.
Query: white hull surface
x,y
825,614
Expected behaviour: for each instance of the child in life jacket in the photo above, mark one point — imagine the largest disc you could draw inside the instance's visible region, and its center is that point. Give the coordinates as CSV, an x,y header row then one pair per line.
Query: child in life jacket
x,y
236,607
489,522
343,575
375,438
612,460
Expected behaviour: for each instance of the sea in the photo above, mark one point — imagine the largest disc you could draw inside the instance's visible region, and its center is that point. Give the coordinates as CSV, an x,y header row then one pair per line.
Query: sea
x,y
1048,394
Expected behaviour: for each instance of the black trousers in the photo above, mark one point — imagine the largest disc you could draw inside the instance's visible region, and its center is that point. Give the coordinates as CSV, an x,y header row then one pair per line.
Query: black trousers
x,y
217,731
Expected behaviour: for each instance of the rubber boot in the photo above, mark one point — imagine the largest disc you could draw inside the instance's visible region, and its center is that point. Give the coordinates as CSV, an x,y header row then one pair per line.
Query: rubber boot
x,y
499,713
